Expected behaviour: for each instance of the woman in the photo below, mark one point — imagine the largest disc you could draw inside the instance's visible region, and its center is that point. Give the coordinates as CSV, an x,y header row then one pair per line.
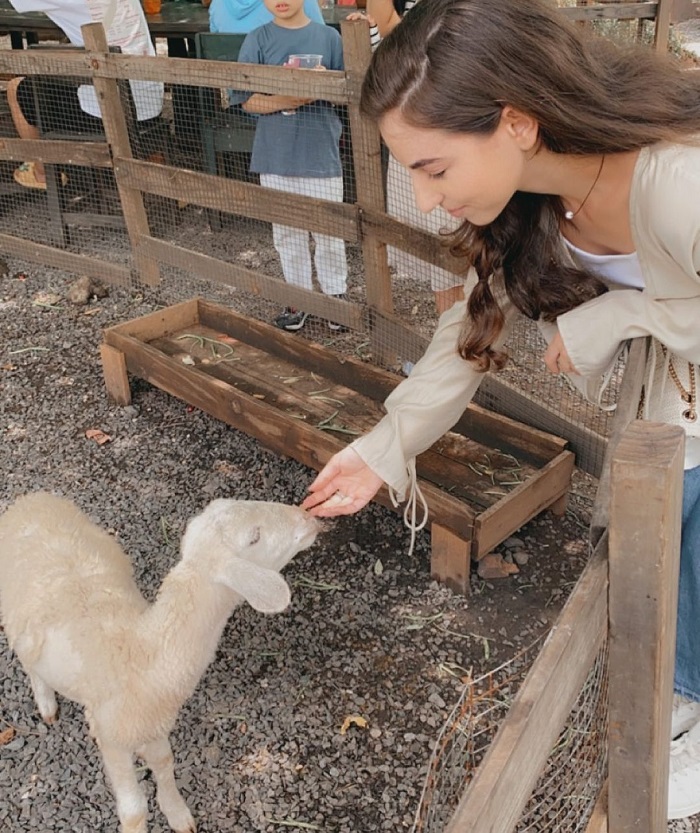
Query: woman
x,y
569,182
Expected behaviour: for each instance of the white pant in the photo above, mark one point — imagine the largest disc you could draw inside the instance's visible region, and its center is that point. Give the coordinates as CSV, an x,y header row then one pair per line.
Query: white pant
x,y
292,244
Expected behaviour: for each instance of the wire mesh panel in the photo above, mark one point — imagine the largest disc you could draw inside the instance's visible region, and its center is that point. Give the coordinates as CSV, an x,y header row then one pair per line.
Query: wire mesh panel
x,y
569,786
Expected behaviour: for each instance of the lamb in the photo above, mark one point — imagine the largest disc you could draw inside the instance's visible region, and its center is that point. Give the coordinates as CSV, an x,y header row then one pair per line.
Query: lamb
x,y
80,627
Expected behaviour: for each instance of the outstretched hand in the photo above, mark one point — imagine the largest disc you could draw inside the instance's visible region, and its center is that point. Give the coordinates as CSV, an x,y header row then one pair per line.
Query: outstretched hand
x,y
344,486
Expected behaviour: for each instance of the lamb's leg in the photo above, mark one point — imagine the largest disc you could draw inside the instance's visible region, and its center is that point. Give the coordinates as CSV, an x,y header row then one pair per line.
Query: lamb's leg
x,y
131,802
44,697
159,758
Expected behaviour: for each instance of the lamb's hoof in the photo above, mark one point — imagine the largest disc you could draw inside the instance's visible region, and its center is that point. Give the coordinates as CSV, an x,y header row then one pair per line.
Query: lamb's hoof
x,y
50,719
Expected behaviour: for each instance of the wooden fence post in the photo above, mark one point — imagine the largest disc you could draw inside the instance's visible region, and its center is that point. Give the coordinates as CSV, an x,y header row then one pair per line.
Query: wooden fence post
x,y
369,179
662,25
644,536
117,133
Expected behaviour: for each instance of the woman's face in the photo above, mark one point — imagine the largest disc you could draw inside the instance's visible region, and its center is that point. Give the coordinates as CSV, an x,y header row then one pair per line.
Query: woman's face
x,y
472,176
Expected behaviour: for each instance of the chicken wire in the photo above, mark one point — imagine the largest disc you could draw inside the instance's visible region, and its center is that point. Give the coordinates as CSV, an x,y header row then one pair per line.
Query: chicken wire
x,y
566,792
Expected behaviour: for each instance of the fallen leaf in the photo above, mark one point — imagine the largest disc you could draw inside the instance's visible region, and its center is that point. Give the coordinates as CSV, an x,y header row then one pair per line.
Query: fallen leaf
x,y
8,366
98,436
353,720
92,311
6,736
378,568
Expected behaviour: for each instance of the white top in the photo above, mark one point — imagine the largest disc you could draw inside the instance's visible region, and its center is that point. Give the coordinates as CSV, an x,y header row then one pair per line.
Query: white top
x,y
621,270
126,27
625,270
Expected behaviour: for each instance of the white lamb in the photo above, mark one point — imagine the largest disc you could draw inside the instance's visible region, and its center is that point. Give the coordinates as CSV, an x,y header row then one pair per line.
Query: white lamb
x,y
80,626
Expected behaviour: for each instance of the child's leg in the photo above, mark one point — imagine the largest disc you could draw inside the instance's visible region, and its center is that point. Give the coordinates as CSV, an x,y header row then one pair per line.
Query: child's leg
x,y
331,262
687,677
292,244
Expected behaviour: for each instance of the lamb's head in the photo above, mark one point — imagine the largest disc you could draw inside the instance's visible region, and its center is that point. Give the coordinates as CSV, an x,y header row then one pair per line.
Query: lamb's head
x,y
243,544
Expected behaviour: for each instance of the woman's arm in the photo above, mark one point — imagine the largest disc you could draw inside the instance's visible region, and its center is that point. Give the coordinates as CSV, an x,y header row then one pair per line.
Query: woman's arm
x,y
593,332
419,411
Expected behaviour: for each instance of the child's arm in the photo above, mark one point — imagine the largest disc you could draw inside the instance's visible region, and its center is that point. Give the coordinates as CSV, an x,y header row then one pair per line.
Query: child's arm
x,y
263,104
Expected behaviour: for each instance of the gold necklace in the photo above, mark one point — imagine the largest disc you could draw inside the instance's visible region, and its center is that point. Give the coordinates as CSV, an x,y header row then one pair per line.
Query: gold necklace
x,y
688,396
569,215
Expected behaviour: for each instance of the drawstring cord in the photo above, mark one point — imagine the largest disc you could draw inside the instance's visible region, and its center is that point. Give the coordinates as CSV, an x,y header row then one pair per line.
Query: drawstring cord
x,y
410,512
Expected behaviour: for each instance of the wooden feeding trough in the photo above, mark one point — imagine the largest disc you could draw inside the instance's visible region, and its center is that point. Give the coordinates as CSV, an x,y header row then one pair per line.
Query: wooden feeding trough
x,y
482,481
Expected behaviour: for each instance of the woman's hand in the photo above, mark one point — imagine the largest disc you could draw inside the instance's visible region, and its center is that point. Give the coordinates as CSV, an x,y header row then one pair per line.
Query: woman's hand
x,y
556,358
344,486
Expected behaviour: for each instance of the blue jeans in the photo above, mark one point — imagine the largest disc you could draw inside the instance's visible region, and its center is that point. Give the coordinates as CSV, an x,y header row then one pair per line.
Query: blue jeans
x,y
687,676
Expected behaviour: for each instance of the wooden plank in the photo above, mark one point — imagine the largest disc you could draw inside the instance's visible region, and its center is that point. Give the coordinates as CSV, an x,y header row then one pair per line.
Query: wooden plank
x,y
525,501
113,273
337,219
598,822
626,411
157,324
117,132
450,559
90,154
478,423
44,62
249,280
494,801
662,29
392,332
432,248
515,437
684,10
330,85
285,436
369,180
115,375
498,395
612,11
645,525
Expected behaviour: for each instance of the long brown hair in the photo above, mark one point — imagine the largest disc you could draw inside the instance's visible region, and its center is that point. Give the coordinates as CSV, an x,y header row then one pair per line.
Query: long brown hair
x,y
454,64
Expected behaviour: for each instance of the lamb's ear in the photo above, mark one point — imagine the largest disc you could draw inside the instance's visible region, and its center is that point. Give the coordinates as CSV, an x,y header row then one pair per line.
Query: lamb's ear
x,y
263,589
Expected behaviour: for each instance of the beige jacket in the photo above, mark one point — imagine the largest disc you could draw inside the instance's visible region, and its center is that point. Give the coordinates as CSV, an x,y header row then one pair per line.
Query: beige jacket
x,y
665,221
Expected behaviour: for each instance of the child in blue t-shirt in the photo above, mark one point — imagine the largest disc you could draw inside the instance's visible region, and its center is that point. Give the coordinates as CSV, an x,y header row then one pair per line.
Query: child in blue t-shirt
x,y
297,147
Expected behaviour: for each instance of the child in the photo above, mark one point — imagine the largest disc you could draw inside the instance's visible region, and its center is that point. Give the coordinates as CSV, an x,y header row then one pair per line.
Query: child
x,y
297,147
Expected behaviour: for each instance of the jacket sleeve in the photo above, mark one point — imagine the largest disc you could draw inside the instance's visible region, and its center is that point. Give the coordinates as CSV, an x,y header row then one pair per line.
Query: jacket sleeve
x,y
426,404
592,333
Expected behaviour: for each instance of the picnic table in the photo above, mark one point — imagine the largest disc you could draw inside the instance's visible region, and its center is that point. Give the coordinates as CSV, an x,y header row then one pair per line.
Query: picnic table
x,y
176,21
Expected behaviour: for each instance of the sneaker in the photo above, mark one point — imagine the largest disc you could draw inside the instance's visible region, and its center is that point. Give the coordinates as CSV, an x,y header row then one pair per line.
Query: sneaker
x,y
291,319
332,325
686,713
684,775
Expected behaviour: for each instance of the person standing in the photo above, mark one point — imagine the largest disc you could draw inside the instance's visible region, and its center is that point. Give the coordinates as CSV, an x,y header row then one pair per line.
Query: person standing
x,y
297,148
76,108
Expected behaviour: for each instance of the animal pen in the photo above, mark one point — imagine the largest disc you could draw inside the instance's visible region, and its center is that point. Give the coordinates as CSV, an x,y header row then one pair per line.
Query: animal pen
x,y
571,736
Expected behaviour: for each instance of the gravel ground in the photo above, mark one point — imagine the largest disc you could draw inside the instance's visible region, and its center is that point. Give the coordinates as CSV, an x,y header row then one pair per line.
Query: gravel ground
x,y
259,746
